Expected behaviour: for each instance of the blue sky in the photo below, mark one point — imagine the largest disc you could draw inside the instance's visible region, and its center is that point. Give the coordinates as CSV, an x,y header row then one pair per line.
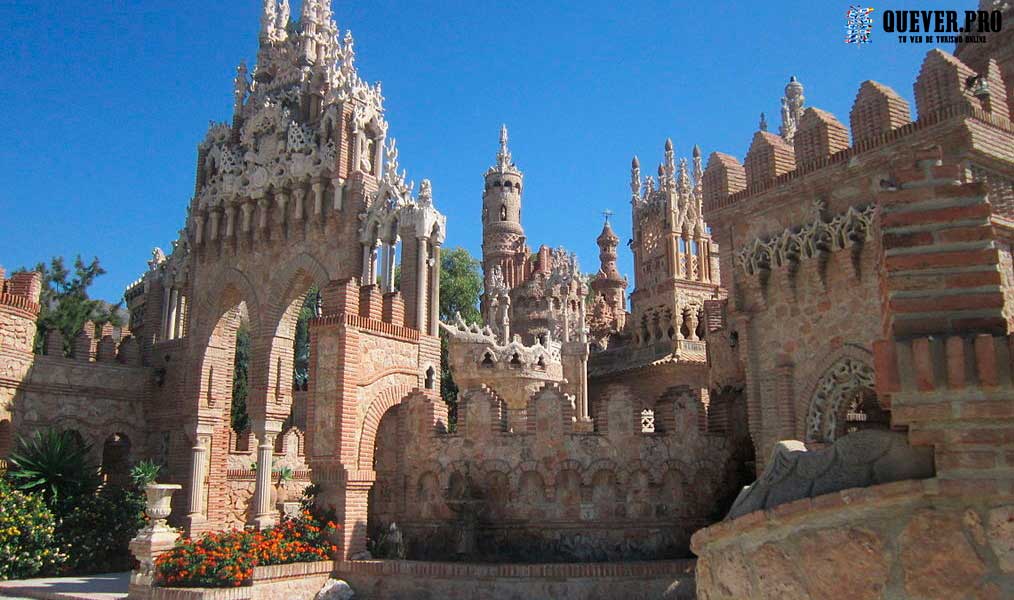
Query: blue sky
x,y
105,102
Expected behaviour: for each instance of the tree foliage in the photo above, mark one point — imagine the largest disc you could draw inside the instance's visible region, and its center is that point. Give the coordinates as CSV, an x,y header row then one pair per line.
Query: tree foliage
x,y
65,303
241,364
301,347
460,287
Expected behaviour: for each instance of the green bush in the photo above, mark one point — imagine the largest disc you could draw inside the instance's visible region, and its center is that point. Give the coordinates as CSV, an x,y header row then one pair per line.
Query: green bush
x,y
54,464
27,543
96,530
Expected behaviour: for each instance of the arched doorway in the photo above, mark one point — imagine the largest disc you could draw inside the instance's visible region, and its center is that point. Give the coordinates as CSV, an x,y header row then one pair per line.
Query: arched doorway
x,y
386,499
116,460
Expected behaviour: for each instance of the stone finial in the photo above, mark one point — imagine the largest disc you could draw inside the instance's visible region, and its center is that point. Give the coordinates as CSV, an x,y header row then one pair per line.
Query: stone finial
x,y
763,125
792,109
819,135
877,110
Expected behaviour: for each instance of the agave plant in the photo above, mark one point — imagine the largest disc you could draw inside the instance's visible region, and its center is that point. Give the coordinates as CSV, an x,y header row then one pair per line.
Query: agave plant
x,y
55,464
144,472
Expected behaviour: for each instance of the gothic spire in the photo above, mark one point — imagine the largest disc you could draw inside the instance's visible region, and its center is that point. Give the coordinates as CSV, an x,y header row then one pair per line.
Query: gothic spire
x,y
635,180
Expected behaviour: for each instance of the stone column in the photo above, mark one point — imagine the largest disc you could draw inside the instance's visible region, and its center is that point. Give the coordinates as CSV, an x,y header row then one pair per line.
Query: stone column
x,y
339,193
391,257
178,315
264,512
174,298
247,208
198,474
198,229
298,194
216,219
318,198
420,299
230,222
262,217
365,279
435,293
166,297
385,266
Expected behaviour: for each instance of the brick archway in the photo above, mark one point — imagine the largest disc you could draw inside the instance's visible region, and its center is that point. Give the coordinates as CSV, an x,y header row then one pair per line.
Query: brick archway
x,y
381,403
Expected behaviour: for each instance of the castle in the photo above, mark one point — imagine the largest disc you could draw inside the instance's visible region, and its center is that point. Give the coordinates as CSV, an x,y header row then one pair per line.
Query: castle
x,y
856,296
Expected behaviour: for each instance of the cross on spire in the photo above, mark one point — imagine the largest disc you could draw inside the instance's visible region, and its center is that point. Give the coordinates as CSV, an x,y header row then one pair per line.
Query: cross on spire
x,y
607,213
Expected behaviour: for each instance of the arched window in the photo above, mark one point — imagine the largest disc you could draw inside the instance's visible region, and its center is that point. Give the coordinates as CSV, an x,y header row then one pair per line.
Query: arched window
x,y
503,212
430,376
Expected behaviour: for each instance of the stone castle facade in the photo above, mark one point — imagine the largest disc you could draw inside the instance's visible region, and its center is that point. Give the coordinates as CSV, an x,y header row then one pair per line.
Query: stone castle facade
x,y
847,287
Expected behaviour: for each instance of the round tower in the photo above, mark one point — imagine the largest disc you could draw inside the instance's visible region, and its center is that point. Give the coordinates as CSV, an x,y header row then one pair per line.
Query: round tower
x,y
608,284
503,238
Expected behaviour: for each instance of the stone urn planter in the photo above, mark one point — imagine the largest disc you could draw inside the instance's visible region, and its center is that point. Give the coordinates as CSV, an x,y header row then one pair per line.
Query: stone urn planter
x,y
159,503
152,540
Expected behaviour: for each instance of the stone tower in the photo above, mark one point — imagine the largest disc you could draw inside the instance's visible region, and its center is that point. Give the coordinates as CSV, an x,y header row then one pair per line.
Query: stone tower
x,y
609,307
675,260
503,238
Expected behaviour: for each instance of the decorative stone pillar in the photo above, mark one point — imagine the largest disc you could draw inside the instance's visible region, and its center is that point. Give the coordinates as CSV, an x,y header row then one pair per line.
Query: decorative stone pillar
x,y
178,323
153,540
318,197
420,298
198,229
230,221
174,298
216,219
435,291
164,317
198,474
298,194
247,208
339,192
262,217
264,512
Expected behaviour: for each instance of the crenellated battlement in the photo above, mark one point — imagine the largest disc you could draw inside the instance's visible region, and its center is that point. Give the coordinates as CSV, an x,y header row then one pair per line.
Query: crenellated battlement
x,y
945,89
21,291
105,344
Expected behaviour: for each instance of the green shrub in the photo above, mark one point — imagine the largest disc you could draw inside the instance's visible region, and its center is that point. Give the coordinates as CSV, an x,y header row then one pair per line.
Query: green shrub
x,y
96,530
143,473
27,544
54,464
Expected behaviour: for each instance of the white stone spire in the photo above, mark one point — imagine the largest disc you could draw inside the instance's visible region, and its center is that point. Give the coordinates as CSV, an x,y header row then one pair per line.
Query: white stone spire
x,y
792,109
269,19
635,180
504,160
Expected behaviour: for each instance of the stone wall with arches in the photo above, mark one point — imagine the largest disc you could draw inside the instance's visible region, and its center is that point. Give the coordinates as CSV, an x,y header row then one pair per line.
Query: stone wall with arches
x,y
542,489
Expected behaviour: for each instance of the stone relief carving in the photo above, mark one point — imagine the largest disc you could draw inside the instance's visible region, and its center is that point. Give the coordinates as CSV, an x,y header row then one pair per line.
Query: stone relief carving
x,y
854,226
843,379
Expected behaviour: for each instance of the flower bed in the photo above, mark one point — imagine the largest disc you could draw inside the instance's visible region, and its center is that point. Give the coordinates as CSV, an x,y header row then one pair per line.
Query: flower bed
x,y
227,559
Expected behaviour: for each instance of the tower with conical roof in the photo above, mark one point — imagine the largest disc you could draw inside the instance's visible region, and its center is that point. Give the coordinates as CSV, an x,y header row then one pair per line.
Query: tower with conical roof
x,y
608,312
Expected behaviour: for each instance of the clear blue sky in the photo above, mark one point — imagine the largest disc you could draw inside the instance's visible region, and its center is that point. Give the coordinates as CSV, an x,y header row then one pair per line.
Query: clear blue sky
x,y
105,102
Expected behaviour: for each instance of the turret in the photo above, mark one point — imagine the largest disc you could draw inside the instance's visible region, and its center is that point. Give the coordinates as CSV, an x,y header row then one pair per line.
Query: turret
x,y
503,238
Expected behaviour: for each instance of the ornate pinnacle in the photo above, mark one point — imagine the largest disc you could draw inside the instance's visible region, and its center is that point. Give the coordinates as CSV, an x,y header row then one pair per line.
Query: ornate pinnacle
x,y
635,179
792,109
503,157
763,123
269,18
670,165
